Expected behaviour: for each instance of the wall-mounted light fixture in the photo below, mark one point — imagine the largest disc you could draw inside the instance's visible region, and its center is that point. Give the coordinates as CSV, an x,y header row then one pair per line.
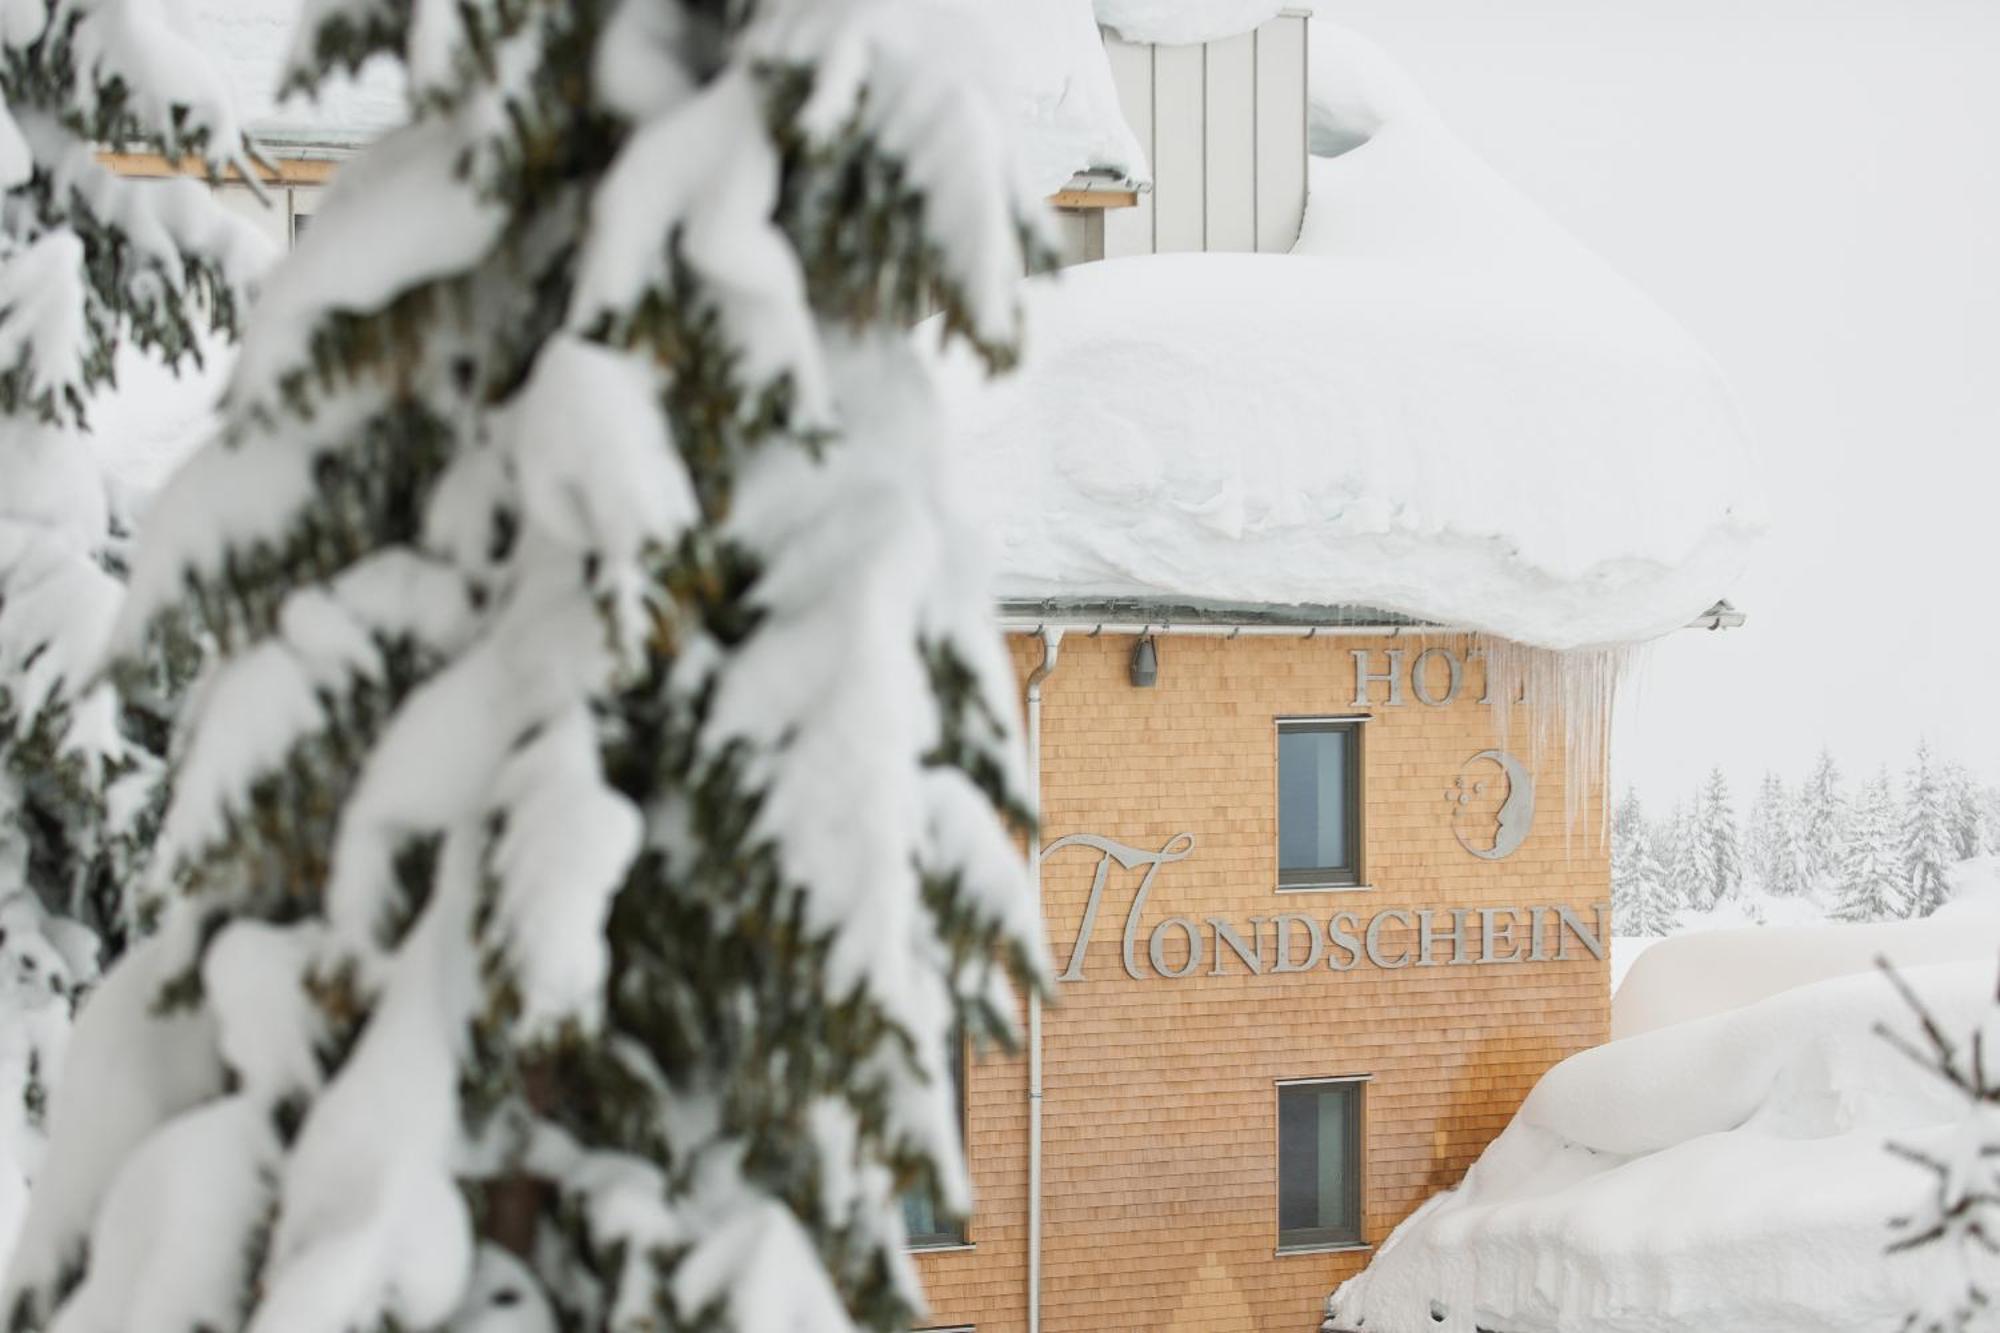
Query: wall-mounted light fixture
x,y
1145,662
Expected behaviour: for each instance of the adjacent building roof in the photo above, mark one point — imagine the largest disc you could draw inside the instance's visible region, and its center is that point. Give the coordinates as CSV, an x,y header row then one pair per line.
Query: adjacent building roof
x,y
1183,22
250,39
1440,406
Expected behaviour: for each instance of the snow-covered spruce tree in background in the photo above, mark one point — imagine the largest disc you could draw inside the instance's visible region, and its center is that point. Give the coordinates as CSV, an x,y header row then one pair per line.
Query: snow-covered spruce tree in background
x,y
1774,839
1687,876
1640,902
88,263
1926,837
591,831
1871,871
1821,830
1721,855
1966,818
1761,832
1988,798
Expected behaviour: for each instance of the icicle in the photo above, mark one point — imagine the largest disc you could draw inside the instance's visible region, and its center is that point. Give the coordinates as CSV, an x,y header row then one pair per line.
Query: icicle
x,y
1568,696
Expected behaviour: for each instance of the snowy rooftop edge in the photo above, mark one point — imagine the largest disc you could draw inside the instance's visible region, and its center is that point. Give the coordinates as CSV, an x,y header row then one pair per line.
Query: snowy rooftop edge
x,y
1167,615
1439,404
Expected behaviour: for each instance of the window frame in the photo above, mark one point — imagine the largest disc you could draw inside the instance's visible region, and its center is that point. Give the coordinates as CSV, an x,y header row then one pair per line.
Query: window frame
x,y
1320,1240
1311,879
959,1235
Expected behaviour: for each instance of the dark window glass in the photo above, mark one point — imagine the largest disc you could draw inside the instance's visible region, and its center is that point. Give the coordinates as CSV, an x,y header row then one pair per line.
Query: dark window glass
x,y
924,1219
1319,804
1319,1164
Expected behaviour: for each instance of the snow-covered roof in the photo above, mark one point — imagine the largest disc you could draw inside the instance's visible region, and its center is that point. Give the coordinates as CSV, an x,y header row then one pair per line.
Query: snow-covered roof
x,y
1184,22
1044,58
1046,62
1439,405
250,39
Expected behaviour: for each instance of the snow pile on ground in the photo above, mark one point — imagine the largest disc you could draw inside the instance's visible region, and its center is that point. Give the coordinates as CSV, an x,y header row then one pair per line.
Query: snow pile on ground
x,y
1180,22
1750,908
1440,405
1727,1175
1702,972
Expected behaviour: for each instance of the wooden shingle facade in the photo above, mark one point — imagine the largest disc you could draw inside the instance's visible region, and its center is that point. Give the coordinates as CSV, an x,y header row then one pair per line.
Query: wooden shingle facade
x,y
1160,1153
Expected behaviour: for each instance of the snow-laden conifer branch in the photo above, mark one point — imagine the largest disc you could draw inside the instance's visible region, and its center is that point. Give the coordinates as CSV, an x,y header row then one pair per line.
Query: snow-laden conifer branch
x,y
89,263
1963,1210
606,776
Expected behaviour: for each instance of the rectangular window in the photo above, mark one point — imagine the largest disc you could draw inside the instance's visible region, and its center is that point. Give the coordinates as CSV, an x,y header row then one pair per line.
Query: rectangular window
x,y
1319,1164
925,1222
1319,805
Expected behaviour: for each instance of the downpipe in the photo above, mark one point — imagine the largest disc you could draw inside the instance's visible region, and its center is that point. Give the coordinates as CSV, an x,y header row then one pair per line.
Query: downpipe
x,y
1051,649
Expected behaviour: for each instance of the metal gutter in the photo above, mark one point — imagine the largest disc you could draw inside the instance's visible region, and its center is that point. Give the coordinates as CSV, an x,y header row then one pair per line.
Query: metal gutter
x,y
1130,616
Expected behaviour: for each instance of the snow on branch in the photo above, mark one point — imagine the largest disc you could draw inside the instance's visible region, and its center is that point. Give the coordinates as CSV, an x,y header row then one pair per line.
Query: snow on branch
x,y
1963,1210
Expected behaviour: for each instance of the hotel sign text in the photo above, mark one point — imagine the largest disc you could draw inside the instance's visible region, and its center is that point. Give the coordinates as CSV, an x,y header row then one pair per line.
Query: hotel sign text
x,y
1180,946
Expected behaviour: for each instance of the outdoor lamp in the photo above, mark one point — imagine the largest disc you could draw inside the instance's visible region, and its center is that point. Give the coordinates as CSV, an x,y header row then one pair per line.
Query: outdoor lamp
x,y
1145,663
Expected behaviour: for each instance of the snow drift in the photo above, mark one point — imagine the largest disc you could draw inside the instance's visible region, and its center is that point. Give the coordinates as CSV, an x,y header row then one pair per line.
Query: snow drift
x,y
1706,972
1439,405
1727,1174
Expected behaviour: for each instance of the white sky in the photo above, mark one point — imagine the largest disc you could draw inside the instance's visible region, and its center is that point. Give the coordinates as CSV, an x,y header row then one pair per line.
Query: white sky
x,y
1812,186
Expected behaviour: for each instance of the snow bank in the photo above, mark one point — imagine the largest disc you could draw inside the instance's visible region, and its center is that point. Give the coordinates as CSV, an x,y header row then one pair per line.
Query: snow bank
x,y
1706,972
1180,22
1727,1174
1439,405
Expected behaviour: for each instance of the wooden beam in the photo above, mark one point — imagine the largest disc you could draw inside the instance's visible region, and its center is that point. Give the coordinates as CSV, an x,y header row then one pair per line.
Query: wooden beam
x,y
1084,199
282,171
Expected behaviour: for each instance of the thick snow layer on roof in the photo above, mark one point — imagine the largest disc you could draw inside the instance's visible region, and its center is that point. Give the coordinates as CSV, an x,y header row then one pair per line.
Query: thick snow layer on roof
x,y
250,41
1180,22
1440,404
1048,70
1728,1174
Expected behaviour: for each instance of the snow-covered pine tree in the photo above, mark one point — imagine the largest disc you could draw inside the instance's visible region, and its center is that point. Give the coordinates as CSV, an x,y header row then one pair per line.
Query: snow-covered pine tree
x,y
1966,817
1871,872
89,263
1639,892
1821,823
1774,838
594,826
1687,873
1926,836
1721,854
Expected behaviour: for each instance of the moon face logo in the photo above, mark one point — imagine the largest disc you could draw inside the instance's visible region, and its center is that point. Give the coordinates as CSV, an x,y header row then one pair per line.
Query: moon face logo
x,y
1507,829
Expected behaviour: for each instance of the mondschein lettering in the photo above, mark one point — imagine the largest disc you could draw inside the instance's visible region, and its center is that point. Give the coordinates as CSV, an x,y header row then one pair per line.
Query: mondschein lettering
x,y
1388,938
